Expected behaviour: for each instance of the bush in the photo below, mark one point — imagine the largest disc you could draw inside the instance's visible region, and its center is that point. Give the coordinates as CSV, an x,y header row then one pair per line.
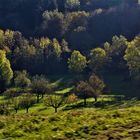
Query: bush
x,y
2,124
21,79
12,92
4,109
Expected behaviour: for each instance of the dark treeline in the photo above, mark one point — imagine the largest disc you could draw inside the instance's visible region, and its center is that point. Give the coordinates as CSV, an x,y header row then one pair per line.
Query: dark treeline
x,y
91,21
46,56
59,36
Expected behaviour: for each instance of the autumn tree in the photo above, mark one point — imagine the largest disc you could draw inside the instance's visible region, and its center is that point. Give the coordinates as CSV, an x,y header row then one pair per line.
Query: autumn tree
x,y
72,98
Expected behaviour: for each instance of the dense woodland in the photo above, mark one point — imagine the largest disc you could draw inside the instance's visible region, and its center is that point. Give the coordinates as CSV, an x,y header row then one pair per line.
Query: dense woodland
x,y
39,36
61,54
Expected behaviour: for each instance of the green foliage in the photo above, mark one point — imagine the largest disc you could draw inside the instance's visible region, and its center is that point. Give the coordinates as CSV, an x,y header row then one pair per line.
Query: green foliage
x,y
6,40
56,48
72,4
82,90
119,44
77,62
53,23
40,86
21,79
4,108
15,103
44,42
6,73
26,102
132,56
12,92
65,47
91,88
115,52
55,101
97,85
119,122
98,58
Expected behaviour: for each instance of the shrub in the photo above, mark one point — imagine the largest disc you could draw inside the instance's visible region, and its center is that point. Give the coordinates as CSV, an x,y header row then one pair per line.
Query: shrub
x,y
15,103
21,79
4,109
2,124
12,92
72,98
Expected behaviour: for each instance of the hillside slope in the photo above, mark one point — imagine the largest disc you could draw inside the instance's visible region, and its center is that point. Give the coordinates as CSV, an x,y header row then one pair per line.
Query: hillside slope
x,y
116,122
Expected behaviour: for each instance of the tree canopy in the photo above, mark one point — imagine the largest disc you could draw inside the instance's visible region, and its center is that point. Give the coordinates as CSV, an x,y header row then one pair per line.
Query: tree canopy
x,y
6,73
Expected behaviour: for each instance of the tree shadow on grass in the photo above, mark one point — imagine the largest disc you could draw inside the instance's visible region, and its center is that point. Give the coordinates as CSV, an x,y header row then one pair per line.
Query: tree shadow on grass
x,y
104,104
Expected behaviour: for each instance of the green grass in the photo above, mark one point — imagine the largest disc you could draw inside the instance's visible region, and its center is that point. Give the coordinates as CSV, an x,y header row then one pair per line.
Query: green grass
x,y
107,119
118,120
64,91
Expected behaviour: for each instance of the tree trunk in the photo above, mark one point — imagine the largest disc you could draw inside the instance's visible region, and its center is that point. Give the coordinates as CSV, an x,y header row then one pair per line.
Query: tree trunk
x,y
85,102
37,98
16,110
55,109
42,96
95,99
27,110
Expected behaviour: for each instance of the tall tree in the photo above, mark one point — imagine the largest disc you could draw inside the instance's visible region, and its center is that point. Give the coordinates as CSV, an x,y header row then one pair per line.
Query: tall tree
x,y
97,85
97,59
132,56
40,86
77,62
6,73
82,90
91,88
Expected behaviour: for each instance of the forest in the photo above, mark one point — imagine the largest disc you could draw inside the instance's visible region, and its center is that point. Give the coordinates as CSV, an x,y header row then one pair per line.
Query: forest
x,y
69,69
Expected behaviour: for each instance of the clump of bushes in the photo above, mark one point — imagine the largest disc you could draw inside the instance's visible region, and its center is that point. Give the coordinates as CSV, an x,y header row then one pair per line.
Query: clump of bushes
x,y
12,92
4,109
22,79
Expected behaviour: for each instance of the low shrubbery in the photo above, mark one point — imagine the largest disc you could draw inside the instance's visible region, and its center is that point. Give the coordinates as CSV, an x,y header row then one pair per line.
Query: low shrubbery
x,y
4,109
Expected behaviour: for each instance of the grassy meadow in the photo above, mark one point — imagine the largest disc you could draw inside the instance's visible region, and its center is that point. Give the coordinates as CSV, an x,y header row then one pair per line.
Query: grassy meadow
x,y
109,118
